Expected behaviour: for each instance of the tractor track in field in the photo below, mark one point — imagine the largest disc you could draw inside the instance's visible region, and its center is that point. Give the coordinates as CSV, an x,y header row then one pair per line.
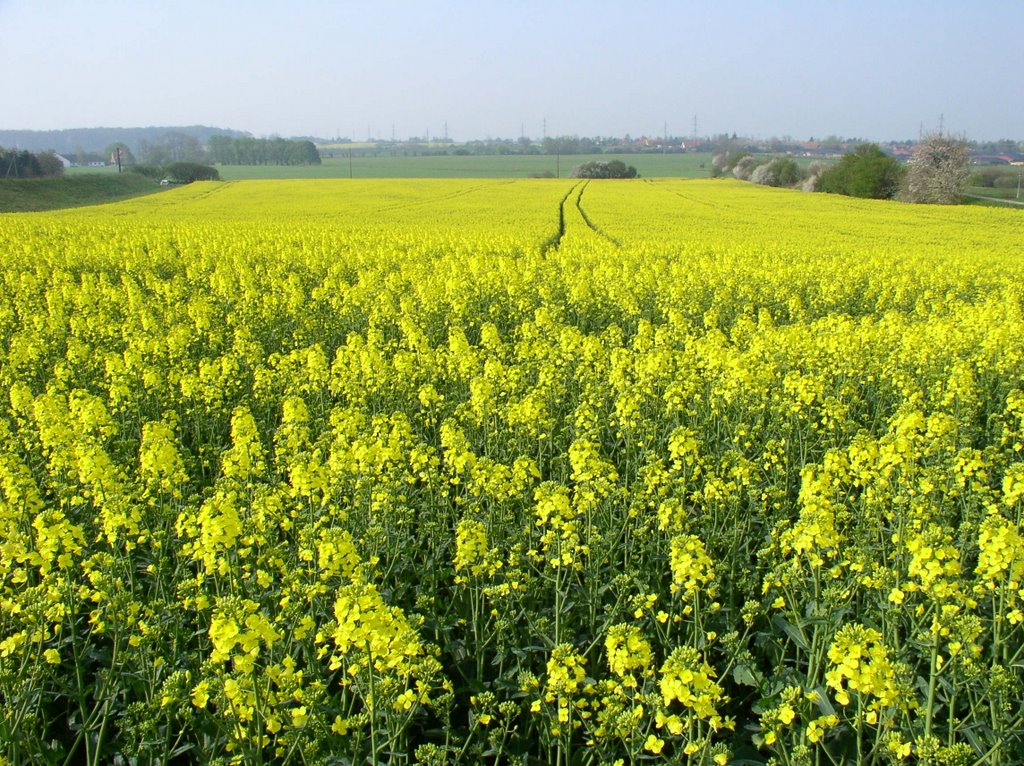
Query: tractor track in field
x,y
681,195
556,241
586,218
575,193
434,200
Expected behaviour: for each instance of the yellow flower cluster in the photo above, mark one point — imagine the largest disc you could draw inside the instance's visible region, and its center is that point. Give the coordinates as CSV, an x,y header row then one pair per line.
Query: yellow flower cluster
x,y
559,524
692,568
564,685
861,663
1000,554
814,536
627,651
934,563
240,626
371,634
473,550
687,678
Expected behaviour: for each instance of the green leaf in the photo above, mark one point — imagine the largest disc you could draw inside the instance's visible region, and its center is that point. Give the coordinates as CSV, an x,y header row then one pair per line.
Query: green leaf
x,y
792,631
747,676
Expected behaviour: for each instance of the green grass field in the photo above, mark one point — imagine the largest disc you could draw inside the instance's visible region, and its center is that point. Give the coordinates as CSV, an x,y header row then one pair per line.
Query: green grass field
x,y
991,191
472,166
35,194
455,166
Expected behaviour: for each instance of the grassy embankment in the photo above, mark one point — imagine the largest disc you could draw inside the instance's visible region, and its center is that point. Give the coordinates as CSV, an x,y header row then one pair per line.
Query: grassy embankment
x,y
23,195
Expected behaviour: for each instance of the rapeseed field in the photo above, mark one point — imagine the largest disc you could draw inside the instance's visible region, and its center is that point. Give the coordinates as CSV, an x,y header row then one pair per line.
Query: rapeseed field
x,y
525,472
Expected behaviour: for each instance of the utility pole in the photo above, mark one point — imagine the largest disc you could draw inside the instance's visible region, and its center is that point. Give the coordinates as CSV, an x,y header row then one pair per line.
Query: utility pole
x,y
119,159
13,164
350,162
545,124
1019,174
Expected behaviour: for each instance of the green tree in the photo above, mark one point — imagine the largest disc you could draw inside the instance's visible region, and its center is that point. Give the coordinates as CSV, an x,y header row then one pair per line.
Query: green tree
x,y
787,171
50,164
221,149
19,164
867,171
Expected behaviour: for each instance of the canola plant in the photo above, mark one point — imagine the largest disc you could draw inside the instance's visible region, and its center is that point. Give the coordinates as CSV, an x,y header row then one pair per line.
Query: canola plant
x,y
511,472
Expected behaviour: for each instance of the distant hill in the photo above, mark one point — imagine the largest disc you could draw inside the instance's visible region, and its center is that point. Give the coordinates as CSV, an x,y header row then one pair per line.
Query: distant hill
x,y
98,139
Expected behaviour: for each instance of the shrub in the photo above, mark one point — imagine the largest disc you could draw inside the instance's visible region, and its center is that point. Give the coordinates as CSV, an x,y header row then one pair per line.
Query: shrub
x,y
744,167
728,161
598,169
867,171
155,172
187,172
781,171
50,164
764,175
986,177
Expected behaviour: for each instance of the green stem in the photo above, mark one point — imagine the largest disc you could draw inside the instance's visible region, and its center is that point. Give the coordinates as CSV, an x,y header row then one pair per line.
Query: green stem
x,y
373,706
932,679
860,729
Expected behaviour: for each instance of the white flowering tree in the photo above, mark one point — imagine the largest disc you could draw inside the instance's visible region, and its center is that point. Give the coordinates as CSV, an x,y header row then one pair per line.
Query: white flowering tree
x,y
938,170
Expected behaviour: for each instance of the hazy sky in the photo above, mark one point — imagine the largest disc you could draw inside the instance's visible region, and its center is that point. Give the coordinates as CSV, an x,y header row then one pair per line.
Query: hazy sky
x,y
861,68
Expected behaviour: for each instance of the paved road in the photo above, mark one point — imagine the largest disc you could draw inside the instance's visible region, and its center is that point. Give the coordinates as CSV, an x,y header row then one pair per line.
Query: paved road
x,y
1019,203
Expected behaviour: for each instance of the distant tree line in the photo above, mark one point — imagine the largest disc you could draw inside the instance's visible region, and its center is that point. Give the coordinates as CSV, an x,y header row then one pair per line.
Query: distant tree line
x,y
177,146
937,172
564,145
173,146
26,164
226,150
91,141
